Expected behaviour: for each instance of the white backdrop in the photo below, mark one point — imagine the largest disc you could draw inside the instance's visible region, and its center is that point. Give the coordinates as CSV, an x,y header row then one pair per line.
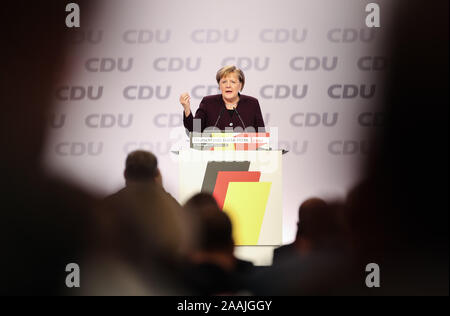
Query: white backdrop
x,y
313,65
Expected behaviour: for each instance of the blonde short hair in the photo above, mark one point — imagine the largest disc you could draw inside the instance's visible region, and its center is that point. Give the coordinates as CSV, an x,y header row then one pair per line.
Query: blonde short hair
x,y
225,71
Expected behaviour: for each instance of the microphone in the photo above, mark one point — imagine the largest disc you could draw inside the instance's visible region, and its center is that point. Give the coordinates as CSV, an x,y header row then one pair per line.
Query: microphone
x,y
218,118
235,110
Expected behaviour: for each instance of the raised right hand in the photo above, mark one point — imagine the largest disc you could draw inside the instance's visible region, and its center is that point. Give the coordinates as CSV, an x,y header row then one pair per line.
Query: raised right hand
x,y
185,100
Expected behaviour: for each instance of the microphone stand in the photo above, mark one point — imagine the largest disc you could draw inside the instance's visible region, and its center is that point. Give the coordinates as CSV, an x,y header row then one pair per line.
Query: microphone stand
x,y
218,118
235,109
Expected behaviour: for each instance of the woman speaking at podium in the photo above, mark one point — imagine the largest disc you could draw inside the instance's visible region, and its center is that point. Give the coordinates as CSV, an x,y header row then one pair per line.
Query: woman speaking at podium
x,y
227,110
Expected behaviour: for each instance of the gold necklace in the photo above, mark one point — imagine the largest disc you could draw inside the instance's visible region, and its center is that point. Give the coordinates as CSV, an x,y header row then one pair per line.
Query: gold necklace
x,y
232,105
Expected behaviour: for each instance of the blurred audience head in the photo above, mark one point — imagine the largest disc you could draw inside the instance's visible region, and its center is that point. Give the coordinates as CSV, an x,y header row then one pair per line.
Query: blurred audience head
x,y
212,228
45,223
306,214
318,225
199,201
32,63
216,230
398,215
142,166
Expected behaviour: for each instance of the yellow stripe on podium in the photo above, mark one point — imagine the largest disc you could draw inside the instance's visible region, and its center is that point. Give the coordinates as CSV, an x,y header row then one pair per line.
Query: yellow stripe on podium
x,y
245,203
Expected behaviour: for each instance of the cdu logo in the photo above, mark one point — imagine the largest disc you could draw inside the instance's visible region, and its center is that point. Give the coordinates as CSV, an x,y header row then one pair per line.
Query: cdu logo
x,y
212,36
158,148
146,92
283,91
88,36
283,35
109,120
313,63
199,91
77,93
338,35
146,36
247,63
177,64
314,119
369,63
298,148
78,149
369,119
348,147
109,64
168,120
351,91
57,121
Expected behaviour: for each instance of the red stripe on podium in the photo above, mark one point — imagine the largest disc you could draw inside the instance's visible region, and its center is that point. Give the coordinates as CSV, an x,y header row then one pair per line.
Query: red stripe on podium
x,y
225,177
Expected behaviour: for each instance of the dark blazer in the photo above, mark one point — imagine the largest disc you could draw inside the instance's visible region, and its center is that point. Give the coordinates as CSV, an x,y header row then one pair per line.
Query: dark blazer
x,y
212,106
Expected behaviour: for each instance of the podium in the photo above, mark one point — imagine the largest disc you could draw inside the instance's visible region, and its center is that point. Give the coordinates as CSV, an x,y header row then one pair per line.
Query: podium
x,y
244,176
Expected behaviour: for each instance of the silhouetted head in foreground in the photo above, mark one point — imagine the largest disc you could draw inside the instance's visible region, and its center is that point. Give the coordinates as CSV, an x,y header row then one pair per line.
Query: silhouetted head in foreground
x,y
142,166
398,215
45,224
